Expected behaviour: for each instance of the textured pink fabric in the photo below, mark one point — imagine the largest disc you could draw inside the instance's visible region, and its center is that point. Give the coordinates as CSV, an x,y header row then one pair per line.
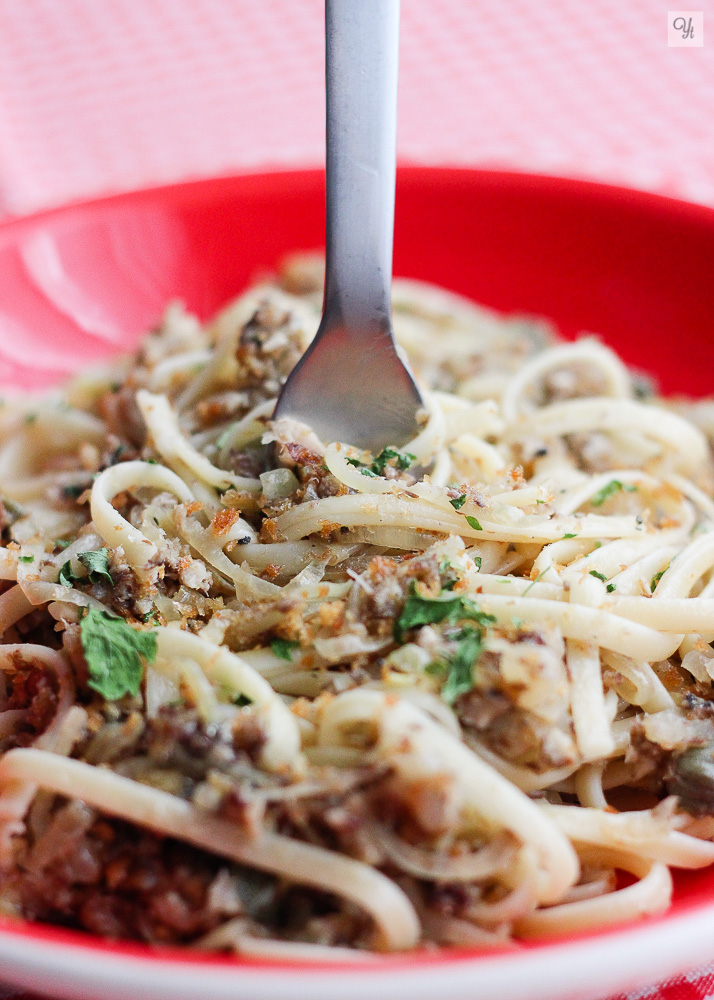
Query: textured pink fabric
x,y
100,96
106,95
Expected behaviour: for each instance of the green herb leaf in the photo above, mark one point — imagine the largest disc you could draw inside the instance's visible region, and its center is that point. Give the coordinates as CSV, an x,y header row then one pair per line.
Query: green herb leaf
x,y
67,577
222,438
115,654
12,508
460,665
656,578
73,491
458,502
570,535
473,523
284,647
61,543
447,582
418,611
610,587
97,563
609,490
26,559
402,460
241,700
477,562
643,386
599,576
535,581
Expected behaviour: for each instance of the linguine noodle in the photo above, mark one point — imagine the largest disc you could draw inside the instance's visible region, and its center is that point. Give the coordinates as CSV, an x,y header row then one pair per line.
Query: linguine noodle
x,y
270,694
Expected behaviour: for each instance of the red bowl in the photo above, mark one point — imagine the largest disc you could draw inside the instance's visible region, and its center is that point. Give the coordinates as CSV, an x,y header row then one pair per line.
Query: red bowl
x,y
83,282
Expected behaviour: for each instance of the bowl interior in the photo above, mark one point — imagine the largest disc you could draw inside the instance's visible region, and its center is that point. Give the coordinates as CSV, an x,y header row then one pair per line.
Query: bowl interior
x,y
82,283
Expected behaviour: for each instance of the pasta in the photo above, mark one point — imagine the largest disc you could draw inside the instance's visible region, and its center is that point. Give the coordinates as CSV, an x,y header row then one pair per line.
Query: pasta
x,y
280,696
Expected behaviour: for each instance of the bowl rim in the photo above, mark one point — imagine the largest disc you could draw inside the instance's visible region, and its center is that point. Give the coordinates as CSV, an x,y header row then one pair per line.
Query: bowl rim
x,y
407,173
689,926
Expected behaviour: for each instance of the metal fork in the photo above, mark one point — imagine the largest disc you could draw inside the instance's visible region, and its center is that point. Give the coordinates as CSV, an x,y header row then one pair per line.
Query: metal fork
x,y
351,385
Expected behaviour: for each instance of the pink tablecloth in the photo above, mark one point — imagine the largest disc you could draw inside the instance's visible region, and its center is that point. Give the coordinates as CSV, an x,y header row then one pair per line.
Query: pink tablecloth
x,y
98,96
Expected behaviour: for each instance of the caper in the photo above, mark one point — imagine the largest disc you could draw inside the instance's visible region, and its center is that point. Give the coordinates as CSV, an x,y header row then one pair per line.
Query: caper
x,y
691,777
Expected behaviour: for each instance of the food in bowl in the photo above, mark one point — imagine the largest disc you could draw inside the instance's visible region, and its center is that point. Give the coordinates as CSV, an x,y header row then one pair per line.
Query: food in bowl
x,y
282,696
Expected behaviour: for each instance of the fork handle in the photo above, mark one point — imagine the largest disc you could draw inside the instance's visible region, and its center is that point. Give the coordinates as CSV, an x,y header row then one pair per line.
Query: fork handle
x,y
362,58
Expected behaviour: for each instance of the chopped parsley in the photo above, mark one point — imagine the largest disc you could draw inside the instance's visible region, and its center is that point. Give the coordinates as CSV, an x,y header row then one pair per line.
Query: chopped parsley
x,y
609,490
473,523
115,654
284,647
241,700
448,579
610,587
222,439
97,563
458,667
120,450
458,502
570,535
599,576
73,491
477,562
67,577
402,460
656,578
643,386
459,678
12,508
26,559
418,611
535,580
